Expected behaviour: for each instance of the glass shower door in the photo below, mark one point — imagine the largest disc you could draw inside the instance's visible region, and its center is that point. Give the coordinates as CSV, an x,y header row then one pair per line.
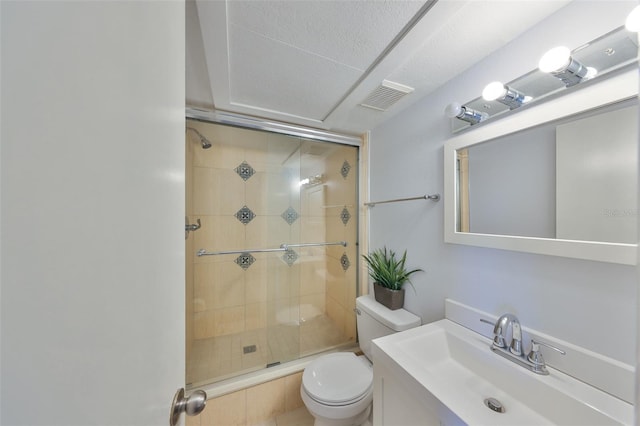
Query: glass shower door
x,y
251,303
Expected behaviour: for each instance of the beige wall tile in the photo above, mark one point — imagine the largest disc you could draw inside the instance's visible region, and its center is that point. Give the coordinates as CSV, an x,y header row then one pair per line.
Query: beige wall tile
x,y
228,284
203,293
337,283
256,316
278,279
283,311
350,328
256,193
267,232
312,305
313,275
265,401
231,189
204,191
313,229
223,153
336,313
204,325
229,320
227,410
293,400
219,233
256,281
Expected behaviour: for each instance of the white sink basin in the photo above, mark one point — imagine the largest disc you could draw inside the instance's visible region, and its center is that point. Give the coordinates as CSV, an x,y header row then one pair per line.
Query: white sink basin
x,y
458,368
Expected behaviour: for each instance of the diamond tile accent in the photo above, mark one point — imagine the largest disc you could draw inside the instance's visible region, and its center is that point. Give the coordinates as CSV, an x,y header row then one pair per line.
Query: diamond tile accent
x,y
245,260
344,261
344,171
245,215
345,215
290,256
245,171
290,215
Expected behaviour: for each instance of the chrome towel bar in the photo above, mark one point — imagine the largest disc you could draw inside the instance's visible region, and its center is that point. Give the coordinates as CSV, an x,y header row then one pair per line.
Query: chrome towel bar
x,y
434,197
283,247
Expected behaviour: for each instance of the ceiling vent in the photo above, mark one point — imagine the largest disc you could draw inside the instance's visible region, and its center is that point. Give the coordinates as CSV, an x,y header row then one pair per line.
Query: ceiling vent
x,y
385,95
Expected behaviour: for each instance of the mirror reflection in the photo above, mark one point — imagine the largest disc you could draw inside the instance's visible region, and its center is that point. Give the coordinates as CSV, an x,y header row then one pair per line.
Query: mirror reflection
x,y
572,179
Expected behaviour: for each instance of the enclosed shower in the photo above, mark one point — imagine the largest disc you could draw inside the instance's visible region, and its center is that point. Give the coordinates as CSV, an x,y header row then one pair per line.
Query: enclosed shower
x,y
271,248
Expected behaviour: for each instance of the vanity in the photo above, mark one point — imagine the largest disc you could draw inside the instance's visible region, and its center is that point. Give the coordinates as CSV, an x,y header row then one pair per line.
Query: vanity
x,y
445,373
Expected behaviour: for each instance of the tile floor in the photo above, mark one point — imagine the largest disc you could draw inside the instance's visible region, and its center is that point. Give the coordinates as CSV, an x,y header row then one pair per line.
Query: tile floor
x,y
298,417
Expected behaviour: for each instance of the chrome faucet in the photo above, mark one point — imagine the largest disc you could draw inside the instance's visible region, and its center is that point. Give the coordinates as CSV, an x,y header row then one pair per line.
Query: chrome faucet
x,y
513,351
500,333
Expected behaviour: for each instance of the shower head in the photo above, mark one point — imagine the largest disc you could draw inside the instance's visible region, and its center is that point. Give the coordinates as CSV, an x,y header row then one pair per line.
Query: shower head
x,y
203,141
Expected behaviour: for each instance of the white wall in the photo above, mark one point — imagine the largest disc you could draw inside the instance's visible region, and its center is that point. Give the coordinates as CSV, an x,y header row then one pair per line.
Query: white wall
x,y
590,304
92,173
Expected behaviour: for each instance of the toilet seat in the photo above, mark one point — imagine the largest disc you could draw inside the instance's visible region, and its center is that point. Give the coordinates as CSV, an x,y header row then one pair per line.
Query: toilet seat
x,y
337,379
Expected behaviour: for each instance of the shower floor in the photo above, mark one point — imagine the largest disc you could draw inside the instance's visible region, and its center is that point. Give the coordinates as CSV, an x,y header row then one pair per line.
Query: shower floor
x,y
222,357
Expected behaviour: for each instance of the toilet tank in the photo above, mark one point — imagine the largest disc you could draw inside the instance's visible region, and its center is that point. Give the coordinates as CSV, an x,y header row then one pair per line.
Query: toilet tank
x,y
375,320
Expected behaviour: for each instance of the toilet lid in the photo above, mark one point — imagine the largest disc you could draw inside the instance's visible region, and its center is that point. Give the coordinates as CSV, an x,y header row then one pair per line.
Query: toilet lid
x,y
337,379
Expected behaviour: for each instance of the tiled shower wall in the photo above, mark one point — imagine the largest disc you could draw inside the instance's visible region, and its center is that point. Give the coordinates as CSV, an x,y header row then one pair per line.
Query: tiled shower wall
x,y
245,190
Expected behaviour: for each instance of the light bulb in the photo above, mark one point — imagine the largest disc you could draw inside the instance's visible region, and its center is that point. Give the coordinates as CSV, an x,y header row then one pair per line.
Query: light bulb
x,y
453,110
493,91
555,59
633,20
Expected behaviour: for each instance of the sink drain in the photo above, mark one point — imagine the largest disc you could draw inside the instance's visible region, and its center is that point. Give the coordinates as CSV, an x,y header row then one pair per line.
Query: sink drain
x,y
494,405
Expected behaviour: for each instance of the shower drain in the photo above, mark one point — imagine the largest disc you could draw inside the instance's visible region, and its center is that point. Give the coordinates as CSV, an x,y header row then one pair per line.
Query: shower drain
x,y
494,405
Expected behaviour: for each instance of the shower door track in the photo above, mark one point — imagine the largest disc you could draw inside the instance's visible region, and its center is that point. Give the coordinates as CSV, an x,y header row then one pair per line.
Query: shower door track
x,y
238,120
283,247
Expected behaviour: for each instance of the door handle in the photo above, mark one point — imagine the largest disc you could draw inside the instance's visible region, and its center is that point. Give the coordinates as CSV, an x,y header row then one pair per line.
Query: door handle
x,y
191,405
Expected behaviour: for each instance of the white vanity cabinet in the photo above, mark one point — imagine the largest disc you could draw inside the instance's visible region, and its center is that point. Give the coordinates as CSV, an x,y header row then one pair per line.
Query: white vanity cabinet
x,y
399,400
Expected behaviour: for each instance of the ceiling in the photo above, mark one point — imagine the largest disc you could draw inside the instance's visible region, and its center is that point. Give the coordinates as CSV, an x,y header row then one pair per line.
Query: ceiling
x,y
314,62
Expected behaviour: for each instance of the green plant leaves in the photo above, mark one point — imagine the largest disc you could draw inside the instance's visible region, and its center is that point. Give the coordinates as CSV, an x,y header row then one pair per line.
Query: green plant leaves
x,y
388,270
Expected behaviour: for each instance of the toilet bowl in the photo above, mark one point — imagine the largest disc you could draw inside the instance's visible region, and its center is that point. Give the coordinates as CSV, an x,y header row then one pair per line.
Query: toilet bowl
x,y
337,388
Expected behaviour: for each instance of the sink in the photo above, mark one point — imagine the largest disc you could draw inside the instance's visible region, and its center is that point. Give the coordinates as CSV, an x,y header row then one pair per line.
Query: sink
x,y
457,367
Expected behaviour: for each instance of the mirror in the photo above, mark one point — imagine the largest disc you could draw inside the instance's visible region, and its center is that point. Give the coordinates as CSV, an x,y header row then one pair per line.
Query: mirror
x,y
520,184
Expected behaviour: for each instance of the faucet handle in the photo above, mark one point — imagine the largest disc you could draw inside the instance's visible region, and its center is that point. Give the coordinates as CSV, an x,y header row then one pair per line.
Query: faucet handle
x,y
498,340
516,340
535,355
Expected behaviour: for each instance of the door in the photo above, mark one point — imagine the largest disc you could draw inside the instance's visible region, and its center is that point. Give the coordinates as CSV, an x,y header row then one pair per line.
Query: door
x,y
92,206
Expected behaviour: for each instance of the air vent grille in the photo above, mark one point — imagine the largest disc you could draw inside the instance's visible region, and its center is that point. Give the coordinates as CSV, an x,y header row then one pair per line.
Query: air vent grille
x,y
387,94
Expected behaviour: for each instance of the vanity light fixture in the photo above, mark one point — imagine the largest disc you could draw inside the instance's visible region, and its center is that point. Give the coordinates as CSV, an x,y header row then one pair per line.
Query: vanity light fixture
x,y
497,91
559,63
461,112
633,20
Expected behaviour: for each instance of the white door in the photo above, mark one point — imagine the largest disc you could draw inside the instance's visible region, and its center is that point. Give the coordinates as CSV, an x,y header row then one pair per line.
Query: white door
x,y
92,205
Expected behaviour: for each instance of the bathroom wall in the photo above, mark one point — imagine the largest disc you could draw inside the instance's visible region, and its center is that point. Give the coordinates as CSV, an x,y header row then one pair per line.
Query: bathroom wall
x,y
591,304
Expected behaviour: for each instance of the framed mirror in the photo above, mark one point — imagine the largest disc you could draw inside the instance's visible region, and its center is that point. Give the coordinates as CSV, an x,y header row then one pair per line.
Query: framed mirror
x,y
558,178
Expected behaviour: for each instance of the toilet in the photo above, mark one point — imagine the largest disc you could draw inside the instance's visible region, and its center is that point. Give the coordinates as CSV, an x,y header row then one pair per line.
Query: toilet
x,y
337,388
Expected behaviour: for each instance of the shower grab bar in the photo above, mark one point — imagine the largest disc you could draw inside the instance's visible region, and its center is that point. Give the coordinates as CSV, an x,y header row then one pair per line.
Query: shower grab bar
x,y
283,247
434,197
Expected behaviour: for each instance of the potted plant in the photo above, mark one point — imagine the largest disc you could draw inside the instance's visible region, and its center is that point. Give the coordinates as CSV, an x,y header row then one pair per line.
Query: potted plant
x,y
389,275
